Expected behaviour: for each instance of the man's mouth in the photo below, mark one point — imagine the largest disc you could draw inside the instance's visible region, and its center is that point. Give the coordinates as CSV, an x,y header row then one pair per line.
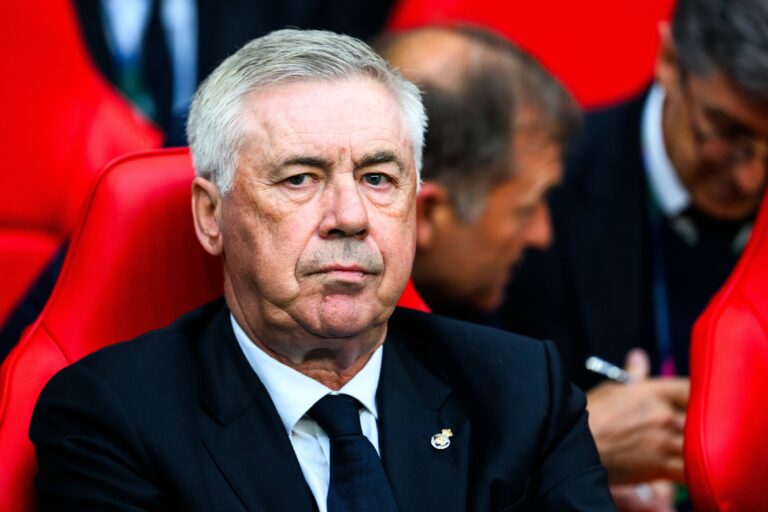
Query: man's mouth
x,y
344,269
344,272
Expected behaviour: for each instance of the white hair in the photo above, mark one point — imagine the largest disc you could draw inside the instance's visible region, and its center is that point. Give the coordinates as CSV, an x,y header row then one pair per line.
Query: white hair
x,y
214,127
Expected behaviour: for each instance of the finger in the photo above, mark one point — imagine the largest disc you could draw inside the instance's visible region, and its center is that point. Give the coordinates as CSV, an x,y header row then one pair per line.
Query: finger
x,y
640,498
664,492
674,469
627,500
667,418
638,364
679,422
673,445
674,390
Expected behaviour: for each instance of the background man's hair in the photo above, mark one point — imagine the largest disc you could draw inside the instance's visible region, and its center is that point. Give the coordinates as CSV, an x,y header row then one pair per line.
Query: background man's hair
x,y
215,127
727,36
472,123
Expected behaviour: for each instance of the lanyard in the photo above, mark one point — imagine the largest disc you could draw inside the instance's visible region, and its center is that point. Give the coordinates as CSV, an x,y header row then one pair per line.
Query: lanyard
x,y
660,293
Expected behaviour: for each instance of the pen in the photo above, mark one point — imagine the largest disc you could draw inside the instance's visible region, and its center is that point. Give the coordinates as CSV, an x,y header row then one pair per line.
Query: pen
x,y
606,369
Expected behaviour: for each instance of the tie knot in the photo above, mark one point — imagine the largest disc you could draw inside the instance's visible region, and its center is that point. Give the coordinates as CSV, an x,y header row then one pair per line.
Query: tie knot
x,y
338,415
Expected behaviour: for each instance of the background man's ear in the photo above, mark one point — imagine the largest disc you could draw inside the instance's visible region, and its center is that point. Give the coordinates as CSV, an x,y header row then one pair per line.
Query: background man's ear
x,y
433,206
206,211
667,64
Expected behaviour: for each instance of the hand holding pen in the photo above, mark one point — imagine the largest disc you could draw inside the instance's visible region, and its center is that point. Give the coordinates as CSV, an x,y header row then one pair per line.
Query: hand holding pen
x,y
638,424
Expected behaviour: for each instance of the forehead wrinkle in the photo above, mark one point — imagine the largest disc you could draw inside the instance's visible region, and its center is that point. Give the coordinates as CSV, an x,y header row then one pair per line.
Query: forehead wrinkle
x,y
285,125
279,148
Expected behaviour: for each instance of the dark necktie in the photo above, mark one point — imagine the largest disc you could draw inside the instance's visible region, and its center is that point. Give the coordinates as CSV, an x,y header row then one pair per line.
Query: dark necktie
x,y
358,482
158,68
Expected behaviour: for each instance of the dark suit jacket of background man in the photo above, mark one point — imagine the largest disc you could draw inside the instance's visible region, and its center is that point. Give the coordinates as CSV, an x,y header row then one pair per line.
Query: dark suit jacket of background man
x,y
225,26
591,291
178,420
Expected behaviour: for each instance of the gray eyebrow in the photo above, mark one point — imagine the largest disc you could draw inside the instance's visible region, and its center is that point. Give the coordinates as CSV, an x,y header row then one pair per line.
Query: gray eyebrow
x,y
380,157
306,161
367,160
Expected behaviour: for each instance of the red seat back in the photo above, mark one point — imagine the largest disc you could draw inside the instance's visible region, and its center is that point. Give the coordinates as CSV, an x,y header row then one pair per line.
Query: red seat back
x,y
61,124
726,449
568,37
134,264
411,299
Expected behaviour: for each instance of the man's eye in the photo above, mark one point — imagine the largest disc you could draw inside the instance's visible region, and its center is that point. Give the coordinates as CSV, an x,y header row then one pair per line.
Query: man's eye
x,y
298,180
375,179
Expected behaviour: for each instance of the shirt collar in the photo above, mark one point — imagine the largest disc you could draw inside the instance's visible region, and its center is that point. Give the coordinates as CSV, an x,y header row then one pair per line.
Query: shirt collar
x,y
293,393
669,192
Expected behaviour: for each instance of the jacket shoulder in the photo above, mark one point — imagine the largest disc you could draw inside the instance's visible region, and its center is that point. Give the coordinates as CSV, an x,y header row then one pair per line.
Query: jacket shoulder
x,y
468,353
608,138
146,358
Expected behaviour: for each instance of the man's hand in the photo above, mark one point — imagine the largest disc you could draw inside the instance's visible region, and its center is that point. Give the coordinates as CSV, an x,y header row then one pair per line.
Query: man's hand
x,y
638,427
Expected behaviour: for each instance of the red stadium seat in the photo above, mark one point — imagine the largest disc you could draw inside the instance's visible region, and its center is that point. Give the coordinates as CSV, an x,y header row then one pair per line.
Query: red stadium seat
x,y
411,299
134,264
604,51
726,450
61,124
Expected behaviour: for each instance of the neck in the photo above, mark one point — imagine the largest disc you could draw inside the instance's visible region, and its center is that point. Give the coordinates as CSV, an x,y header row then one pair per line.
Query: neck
x,y
331,361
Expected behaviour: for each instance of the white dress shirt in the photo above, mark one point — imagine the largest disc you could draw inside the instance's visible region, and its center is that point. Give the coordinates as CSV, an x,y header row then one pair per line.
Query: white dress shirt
x,y
293,394
670,193
126,23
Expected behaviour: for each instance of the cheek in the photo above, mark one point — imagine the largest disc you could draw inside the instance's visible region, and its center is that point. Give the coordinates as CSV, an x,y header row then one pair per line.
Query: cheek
x,y
266,248
399,245
501,241
396,240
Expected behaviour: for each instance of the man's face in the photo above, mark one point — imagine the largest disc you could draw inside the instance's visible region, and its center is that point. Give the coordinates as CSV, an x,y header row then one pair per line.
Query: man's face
x,y
470,263
319,228
718,142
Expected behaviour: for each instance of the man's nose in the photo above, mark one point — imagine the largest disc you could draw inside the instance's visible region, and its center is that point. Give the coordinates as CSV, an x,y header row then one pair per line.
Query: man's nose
x,y
344,213
539,229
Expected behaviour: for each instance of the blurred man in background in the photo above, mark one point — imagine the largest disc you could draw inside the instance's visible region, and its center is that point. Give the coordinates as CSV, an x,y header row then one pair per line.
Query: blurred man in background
x,y
498,125
658,203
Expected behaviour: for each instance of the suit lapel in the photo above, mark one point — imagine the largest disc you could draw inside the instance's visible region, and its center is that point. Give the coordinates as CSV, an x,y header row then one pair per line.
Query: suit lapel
x,y
248,442
414,406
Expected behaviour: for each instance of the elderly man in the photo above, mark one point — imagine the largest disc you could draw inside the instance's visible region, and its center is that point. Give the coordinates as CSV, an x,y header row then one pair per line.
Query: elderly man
x,y
303,391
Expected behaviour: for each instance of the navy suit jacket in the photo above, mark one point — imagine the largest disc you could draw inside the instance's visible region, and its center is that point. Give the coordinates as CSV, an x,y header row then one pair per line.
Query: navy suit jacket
x,y
223,27
591,291
178,420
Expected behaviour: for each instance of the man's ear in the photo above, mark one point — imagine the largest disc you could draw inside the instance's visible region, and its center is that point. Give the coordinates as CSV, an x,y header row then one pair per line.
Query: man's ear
x,y
432,203
667,63
206,211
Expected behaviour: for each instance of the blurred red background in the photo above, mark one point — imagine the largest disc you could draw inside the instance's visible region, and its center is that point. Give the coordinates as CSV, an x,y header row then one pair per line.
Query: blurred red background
x,y
602,50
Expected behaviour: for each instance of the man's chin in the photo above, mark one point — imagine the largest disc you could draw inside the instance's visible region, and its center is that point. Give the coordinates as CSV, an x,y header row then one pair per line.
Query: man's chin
x,y
489,301
345,316
721,204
